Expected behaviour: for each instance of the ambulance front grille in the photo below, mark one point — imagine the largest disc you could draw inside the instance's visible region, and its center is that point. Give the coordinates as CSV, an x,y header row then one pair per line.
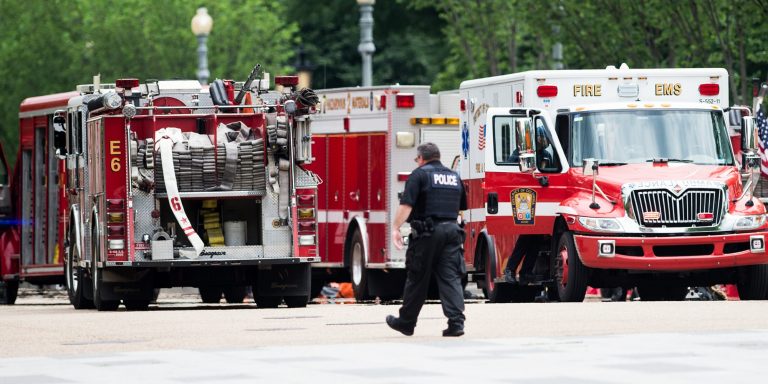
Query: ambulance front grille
x,y
661,207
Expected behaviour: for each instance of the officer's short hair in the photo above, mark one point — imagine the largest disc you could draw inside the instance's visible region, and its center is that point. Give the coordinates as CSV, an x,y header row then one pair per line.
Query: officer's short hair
x,y
428,151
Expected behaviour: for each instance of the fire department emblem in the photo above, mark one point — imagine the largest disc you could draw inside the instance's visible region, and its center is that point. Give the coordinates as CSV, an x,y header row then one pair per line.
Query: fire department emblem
x,y
523,206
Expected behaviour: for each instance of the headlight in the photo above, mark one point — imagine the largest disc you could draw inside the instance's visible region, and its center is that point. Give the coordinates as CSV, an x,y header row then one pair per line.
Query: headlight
x,y
750,222
601,224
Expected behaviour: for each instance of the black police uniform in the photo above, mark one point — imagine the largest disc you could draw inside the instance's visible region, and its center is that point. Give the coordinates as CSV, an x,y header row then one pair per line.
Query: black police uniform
x,y
436,195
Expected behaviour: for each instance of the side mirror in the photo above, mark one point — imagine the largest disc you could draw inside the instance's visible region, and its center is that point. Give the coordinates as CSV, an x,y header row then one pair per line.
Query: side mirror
x,y
748,134
527,162
60,133
526,144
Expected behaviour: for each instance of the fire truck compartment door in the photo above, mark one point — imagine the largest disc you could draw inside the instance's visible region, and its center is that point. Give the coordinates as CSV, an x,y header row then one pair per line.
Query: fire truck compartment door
x,y
5,190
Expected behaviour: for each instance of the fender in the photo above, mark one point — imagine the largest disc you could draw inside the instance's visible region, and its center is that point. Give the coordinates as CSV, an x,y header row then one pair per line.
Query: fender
x,y
9,253
489,242
95,224
76,225
363,228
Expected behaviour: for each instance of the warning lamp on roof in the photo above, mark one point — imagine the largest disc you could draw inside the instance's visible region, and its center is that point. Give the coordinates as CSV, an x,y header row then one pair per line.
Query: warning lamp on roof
x,y
287,81
405,100
709,89
127,83
463,105
546,91
383,102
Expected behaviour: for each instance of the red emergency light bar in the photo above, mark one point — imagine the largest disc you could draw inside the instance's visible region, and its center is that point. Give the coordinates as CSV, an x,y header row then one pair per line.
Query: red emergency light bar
x,y
463,105
127,83
546,91
383,102
709,89
287,81
405,100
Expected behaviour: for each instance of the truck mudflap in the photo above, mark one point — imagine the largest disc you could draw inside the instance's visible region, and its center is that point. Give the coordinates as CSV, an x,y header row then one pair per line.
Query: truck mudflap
x,y
284,280
676,253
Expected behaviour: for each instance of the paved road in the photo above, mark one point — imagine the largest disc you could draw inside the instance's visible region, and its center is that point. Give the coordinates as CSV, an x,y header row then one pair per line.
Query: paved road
x,y
45,341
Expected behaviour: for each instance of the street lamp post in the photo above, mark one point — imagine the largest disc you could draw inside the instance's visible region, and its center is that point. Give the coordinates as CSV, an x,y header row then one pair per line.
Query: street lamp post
x,y
366,47
201,27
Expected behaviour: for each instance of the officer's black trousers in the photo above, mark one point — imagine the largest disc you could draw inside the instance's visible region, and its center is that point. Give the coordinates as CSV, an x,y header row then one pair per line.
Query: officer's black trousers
x,y
439,252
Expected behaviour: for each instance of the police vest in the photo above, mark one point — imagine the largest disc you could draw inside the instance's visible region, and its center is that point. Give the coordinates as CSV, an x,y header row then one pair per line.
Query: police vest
x,y
441,194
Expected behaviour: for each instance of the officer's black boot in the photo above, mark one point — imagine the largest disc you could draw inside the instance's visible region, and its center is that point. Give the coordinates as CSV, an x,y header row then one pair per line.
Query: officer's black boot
x,y
398,325
454,330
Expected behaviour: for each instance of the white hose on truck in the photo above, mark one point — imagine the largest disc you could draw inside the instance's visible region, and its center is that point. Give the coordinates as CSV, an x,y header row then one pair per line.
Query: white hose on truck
x,y
164,139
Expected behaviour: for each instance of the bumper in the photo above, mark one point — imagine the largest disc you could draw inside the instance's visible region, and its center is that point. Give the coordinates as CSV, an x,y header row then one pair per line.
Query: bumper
x,y
672,253
212,263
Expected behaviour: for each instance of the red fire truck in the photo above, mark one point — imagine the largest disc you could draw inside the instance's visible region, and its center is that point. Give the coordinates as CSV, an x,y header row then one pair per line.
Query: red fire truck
x,y
365,140
167,184
32,232
620,177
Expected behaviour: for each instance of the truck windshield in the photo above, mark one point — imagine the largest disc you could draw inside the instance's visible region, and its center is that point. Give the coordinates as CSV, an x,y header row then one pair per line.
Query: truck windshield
x,y
639,136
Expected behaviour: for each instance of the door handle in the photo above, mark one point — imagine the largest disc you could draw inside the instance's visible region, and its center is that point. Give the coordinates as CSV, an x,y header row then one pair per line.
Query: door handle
x,y
493,203
355,196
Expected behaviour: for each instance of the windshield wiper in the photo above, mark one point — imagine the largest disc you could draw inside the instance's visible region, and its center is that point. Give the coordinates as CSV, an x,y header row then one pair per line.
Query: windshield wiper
x,y
608,163
668,160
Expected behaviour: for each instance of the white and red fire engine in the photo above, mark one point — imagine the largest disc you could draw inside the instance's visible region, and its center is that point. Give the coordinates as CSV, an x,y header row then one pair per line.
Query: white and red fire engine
x,y
364,142
167,184
642,189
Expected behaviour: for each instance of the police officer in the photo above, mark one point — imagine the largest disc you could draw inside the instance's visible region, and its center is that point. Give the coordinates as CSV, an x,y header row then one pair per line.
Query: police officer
x,y
431,202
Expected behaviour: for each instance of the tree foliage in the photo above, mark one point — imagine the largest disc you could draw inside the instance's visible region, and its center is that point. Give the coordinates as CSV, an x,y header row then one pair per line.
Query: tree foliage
x,y
49,46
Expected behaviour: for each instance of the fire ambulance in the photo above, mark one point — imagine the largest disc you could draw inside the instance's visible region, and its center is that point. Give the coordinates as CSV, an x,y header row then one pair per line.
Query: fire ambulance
x,y
365,140
168,183
620,177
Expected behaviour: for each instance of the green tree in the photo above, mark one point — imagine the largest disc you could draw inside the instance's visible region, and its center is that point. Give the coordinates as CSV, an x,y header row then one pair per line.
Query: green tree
x,y
52,45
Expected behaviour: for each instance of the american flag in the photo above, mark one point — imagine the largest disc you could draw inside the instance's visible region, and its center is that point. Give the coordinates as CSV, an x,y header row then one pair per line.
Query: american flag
x,y
481,139
762,133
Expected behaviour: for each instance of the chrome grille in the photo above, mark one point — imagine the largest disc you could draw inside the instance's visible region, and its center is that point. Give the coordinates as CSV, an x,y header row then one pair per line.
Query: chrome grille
x,y
677,211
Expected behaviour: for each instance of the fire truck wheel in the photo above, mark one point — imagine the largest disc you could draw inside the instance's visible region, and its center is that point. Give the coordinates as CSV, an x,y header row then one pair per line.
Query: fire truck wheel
x,y
210,295
136,305
752,283
268,301
76,281
357,269
493,292
8,292
296,301
235,294
570,274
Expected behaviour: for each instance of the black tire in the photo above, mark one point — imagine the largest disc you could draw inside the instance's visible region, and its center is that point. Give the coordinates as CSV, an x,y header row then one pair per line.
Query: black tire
x,y
235,294
98,286
357,271
651,291
570,274
75,280
210,295
9,291
753,282
296,301
136,305
493,292
268,301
